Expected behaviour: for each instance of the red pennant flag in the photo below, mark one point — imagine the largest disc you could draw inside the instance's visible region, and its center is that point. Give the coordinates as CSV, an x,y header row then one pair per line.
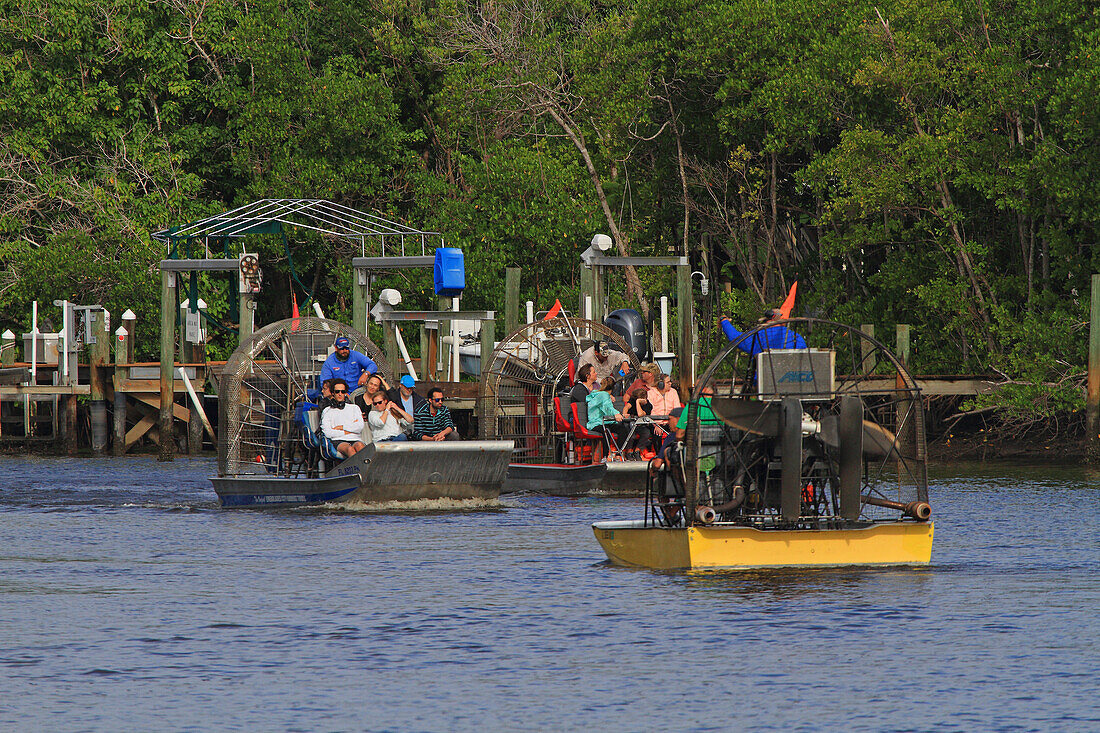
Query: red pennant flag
x,y
294,311
788,304
553,311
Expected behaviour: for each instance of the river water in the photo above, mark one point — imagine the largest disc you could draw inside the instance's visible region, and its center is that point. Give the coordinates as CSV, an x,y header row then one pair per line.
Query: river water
x,y
129,601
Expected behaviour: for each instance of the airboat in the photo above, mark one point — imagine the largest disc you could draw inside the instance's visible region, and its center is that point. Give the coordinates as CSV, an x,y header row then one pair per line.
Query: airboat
x,y
523,398
802,457
270,453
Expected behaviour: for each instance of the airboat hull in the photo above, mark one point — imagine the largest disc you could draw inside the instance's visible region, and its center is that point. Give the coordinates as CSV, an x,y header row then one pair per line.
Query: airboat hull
x,y
632,544
385,472
268,491
624,478
556,479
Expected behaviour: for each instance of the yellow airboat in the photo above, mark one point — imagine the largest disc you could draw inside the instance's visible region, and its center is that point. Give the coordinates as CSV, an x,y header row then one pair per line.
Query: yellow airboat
x,y
789,458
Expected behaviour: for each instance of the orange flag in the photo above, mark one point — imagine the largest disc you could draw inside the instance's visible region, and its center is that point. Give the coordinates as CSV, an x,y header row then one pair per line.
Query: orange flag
x,y
788,304
553,311
294,311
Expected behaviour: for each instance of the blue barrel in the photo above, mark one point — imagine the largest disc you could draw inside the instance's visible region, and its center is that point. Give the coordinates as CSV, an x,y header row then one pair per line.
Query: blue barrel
x,y
450,272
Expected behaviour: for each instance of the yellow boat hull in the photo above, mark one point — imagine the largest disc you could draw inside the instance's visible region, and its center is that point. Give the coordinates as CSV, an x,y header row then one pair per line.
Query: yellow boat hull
x,y
635,545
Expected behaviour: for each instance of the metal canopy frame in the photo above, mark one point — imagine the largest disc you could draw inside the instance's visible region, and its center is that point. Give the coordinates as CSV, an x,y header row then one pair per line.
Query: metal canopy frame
x,y
326,217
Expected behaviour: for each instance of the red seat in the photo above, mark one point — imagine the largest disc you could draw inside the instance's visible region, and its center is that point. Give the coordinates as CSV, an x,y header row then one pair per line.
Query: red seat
x,y
584,437
572,371
560,423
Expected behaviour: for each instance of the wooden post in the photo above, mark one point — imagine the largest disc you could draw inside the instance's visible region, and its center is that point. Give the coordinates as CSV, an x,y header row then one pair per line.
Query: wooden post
x,y
122,357
193,354
867,361
599,288
1092,396
98,353
488,339
389,344
168,358
685,318
903,343
430,372
246,317
360,294
511,299
585,289
423,371
7,348
129,322
445,348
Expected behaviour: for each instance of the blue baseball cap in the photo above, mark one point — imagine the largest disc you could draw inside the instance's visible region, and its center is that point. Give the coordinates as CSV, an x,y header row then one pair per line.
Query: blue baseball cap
x,y
408,382
342,343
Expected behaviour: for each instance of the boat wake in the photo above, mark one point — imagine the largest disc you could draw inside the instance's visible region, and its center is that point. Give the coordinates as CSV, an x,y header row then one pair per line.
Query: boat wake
x,y
417,506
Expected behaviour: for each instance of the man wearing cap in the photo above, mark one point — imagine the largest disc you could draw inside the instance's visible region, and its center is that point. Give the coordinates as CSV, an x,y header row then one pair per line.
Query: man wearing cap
x,y
405,396
606,361
351,366
772,337
647,377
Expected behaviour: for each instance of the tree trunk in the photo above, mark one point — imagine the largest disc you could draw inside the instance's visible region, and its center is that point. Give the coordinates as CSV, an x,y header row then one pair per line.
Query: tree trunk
x,y
633,283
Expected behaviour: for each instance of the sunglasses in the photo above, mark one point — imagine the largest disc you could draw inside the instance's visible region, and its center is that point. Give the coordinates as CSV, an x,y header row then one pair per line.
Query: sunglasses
x,y
437,399
378,402
339,391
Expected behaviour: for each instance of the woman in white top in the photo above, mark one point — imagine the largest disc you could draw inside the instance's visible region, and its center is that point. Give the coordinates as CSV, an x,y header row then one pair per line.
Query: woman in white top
x,y
387,420
342,422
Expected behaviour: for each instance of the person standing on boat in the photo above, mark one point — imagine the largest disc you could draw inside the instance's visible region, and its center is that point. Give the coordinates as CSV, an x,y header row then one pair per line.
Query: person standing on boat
x,y
433,420
342,423
772,337
406,396
351,366
606,361
387,420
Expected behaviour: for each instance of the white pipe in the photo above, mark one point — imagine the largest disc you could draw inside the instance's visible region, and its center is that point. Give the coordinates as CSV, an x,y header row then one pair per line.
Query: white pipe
x,y
404,352
530,312
664,324
64,342
317,309
588,307
197,404
454,347
34,342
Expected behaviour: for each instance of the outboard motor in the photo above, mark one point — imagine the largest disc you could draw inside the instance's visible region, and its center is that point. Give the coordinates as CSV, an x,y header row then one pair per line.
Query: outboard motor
x,y
629,324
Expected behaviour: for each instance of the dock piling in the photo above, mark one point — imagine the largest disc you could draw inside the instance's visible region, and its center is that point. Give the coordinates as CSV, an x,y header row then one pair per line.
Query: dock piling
x,y
1092,394
122,357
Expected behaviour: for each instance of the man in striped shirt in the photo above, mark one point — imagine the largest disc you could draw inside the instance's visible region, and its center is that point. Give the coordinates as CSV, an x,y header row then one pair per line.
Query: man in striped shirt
x,y
432,420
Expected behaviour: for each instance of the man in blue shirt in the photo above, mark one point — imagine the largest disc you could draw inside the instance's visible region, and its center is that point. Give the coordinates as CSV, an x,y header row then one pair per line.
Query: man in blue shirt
x,y
351,366
772,337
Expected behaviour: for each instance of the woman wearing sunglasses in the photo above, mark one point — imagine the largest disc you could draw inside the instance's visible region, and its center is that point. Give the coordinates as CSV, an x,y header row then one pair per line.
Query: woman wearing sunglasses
x,y
342,422
387,420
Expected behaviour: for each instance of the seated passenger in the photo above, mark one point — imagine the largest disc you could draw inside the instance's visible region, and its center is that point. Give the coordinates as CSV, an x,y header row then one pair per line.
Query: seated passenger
x,y
637,405
664,397
433,420
387,420
586,378
600,406
342,423
364,396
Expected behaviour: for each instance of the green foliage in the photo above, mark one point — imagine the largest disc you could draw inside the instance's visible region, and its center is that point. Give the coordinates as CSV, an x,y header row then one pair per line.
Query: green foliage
x,y
930,164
